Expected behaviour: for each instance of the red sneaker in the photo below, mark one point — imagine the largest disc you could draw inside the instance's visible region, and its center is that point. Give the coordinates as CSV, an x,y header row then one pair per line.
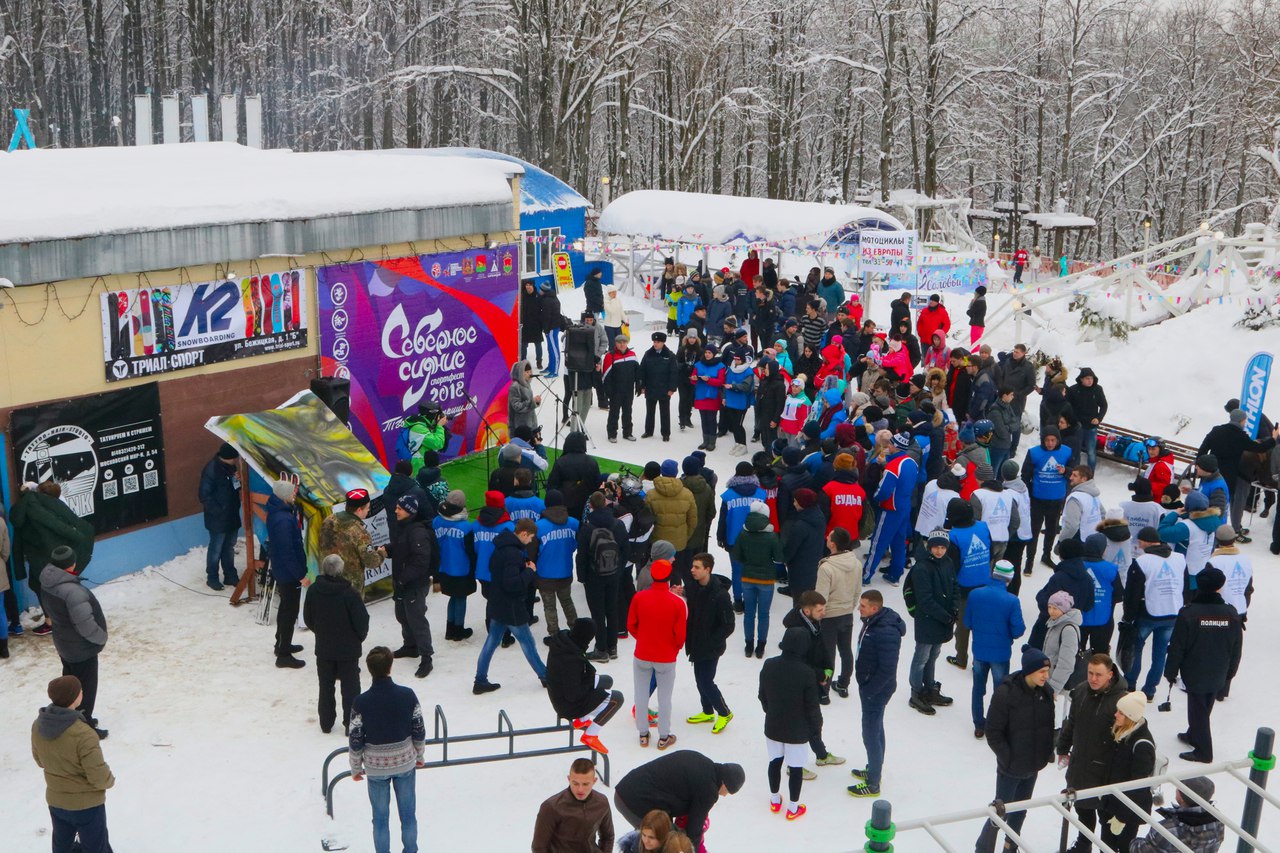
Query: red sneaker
x,y
595,744
581,724
775,807
800,810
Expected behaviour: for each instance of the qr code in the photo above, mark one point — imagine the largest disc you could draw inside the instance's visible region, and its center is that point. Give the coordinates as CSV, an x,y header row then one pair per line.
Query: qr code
x,y
151,479
110,489
130,484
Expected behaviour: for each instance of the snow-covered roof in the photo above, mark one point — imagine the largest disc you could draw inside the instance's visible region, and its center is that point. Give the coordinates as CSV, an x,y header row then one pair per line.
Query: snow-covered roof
x,y
982,213
1060,220
1007,207
540,191
719,219
78,192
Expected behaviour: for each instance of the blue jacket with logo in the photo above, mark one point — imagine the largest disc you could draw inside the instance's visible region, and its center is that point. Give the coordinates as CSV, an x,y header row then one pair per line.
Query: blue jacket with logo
x,y
1106,590
971,551
898,483
735,504
557,543
1040,472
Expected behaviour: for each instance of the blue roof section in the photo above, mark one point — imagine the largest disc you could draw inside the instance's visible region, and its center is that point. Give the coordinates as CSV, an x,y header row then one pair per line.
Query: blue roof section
x,y
540,191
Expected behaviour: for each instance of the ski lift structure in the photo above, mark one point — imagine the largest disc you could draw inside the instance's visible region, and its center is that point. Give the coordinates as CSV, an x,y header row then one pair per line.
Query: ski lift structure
x,y
1251,771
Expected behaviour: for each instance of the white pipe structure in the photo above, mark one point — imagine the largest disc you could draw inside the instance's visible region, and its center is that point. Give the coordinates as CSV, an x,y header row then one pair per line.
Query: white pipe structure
x,y
1061,802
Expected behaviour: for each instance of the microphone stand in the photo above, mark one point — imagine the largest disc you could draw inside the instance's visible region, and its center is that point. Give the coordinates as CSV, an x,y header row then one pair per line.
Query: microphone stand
x,y
548,388
489,431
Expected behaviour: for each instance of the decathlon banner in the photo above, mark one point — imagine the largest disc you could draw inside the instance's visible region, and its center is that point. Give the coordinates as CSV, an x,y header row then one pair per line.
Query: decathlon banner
x,y
887,251
156,330
431,329
1254,393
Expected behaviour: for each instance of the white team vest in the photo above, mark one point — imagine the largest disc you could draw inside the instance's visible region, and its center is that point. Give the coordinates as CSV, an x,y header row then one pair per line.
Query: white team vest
x,y
997,509
1023,500
1239,572
1163,582
1090,513
1140,514
1199,546
933,508
1120,553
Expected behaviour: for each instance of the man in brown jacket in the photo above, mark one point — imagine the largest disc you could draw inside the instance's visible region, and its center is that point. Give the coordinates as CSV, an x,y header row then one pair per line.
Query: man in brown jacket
x,y
76,776
576,820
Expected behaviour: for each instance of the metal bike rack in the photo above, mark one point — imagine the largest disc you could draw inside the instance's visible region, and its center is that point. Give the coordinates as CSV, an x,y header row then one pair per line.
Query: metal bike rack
x,y
442,739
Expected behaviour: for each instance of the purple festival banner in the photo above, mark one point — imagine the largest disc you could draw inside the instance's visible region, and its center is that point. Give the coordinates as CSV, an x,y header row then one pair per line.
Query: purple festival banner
x,y
436,328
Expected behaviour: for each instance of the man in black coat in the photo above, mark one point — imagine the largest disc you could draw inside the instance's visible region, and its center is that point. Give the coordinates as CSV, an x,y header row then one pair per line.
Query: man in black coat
x,y
574,473
593,290
804,536
900,310
336,616
401,483
530,320
659,380
220,497
601,585
1228,443
1018,374
933,583
1089,405
1085,742
1205,651
621,381
552,320
288,567
576,692
414,559
684,784
789,696
507,609
1020,733
710,624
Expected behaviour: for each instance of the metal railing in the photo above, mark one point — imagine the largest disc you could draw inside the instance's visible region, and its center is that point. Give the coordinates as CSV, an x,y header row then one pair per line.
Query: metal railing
x,y
881,831
442,738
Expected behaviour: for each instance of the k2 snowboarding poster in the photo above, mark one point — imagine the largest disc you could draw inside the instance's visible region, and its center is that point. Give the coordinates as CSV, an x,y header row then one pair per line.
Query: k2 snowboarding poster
x,y
154,330
413,331
106,451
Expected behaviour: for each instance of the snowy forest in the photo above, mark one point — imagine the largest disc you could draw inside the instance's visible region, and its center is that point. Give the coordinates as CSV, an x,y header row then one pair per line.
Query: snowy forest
x,y
1124,109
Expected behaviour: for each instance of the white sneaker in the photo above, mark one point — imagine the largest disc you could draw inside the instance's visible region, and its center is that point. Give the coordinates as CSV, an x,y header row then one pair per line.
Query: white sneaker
x,y
808,775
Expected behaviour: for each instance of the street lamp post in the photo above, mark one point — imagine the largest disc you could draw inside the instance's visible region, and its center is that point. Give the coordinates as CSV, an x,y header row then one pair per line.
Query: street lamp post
x,y
604,192
1146,240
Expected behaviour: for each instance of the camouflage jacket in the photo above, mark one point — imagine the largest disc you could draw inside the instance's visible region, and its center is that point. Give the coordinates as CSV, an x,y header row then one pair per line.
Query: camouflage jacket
x,y
344,534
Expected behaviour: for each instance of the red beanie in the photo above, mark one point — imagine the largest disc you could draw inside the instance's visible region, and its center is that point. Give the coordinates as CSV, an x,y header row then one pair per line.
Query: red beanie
x,y
660,570
495,499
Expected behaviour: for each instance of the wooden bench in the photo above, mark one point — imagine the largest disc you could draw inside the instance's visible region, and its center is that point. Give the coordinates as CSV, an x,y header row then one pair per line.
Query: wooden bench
x,y
1184,454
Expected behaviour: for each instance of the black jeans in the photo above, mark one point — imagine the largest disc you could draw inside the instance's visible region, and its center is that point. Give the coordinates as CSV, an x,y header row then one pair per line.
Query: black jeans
x,y
837,634
662,403
1043,513
1009,789
1013,551
620,404
347,674
708,417
732,423
626,592
704,675
87,672
686,405
602,601
286,616
1098,638
411,613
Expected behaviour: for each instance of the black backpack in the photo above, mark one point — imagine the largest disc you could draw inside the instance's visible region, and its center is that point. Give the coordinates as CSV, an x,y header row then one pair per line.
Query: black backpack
x,y
605,554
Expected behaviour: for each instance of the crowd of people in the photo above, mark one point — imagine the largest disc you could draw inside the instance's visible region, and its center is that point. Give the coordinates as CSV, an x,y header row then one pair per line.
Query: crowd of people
x,y
865,456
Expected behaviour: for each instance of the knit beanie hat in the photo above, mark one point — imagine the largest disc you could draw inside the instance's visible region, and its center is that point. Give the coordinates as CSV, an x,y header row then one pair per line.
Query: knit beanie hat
x,y
1062,600
759,508
871,414
1033,660
510,453
62,557
226,451
902,441
732,776
1003,571
1225,534
284,490
409,504
1201,786
1238,417
661,549
792,456
660,570
1208,462
1133,705
844,462
939,537
456,498
1141,488
670,469
1195,502
959,513
555,497
1071,548
812,429
583,632
494,499
805,498
744,469
1008,470
1210,579
1149,534
691,465
63,690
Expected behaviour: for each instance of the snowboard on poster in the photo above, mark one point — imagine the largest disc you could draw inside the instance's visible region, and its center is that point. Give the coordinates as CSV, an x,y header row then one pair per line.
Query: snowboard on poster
x,y
247,286
295,291
157,319
255,291
268,304
166,310
120,327
135,323
286,311
148,332
278,289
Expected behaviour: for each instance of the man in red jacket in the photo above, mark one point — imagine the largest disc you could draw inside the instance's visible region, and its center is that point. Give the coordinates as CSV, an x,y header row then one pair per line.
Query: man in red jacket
x,y
934,318
845,496
1019,264
657,619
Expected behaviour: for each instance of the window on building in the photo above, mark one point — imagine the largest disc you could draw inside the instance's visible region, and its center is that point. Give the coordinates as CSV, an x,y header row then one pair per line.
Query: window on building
x,y
550,245
529,257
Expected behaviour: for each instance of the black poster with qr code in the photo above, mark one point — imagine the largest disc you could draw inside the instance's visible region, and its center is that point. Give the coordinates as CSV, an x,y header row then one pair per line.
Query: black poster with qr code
x,y
105,452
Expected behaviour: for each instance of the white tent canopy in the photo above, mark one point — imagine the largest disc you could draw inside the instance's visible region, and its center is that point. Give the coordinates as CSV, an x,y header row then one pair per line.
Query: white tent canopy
x,y
704,218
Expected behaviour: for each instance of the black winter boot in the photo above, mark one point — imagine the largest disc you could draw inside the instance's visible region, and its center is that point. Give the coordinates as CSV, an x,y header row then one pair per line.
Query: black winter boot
x,y
918,702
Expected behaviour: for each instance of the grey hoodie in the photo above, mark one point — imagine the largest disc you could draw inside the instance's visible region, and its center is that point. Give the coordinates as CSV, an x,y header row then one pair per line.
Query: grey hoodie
x,y
79,625
53,720
521,409
661,549
1071,511
1061,645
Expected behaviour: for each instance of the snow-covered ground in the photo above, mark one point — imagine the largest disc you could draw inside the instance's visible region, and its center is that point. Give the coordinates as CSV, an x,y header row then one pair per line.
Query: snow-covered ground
x,y
216,750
